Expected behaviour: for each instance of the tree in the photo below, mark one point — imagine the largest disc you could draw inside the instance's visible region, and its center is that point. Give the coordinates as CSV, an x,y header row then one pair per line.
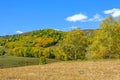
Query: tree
x,y
106,40
74,44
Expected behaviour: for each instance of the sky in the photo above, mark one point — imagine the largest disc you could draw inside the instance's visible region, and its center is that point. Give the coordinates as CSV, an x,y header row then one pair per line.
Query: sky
x,y
19,16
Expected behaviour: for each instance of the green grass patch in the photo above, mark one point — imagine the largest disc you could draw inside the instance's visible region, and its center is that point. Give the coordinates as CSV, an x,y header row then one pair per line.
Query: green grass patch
x,y
12,61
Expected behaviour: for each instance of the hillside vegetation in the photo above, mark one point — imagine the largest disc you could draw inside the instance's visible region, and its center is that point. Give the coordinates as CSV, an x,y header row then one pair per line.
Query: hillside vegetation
x,y
102,43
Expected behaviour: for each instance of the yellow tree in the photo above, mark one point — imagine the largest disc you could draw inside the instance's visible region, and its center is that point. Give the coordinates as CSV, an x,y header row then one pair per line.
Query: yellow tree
x,y
106,39
74,45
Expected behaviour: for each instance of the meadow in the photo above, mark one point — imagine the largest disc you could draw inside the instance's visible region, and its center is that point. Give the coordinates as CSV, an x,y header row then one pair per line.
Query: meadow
x,y
67,70
12,61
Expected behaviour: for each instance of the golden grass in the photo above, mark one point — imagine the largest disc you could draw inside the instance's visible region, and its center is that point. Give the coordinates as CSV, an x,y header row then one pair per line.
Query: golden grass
x,y
87,70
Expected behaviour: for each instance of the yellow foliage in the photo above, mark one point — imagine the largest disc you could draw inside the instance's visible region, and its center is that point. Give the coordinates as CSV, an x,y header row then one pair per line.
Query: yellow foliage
x,y
43,42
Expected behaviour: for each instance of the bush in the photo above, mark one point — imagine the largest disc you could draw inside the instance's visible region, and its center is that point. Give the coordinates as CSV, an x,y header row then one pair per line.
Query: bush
x,y
48,53
37,52
28,52
60,55
42,60
2,52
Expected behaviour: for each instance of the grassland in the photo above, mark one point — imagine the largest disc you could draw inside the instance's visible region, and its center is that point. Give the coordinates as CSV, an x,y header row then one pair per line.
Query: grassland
x,y
70,70
11,61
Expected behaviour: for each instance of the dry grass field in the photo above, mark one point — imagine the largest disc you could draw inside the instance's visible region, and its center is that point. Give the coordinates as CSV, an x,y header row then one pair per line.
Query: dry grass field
x,y
71,70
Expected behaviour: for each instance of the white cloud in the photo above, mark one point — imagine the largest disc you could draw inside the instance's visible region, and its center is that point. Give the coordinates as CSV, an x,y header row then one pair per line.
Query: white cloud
x,y
84,18
96,17
115,12
77,17
19,32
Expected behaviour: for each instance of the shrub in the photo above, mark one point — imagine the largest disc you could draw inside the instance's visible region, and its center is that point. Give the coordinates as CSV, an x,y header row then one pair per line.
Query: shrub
x,y
2,52
28,52
42,60
48,53
60,55
37,52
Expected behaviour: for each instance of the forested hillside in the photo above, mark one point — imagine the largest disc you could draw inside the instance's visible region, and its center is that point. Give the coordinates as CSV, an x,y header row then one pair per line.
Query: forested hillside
x,y
102,43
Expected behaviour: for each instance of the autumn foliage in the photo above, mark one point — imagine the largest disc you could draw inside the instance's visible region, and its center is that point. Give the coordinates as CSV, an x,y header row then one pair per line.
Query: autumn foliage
x,y
102,43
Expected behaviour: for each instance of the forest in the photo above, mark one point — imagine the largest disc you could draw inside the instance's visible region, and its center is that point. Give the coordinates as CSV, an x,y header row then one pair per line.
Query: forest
x,y
101,43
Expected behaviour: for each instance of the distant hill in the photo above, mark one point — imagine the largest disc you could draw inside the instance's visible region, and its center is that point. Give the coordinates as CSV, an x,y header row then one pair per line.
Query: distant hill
x,y
86,31
34,40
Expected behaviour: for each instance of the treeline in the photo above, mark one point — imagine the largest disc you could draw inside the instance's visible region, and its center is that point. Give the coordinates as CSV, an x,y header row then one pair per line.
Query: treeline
x,y
102,43
35,44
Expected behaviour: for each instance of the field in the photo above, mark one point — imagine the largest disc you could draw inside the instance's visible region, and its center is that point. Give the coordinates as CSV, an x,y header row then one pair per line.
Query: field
x,y
68,70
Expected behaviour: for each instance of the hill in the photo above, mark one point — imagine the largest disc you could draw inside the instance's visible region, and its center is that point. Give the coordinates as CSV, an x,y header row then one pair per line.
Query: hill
x,y
86,31
33,42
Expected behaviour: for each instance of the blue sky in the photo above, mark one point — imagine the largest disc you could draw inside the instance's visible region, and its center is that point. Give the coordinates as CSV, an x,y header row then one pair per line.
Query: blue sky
x,y
17,16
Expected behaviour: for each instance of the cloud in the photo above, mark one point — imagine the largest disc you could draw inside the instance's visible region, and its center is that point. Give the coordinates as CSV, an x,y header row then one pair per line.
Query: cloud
x,y
96,17
115,12
77,17
84,18
19,32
